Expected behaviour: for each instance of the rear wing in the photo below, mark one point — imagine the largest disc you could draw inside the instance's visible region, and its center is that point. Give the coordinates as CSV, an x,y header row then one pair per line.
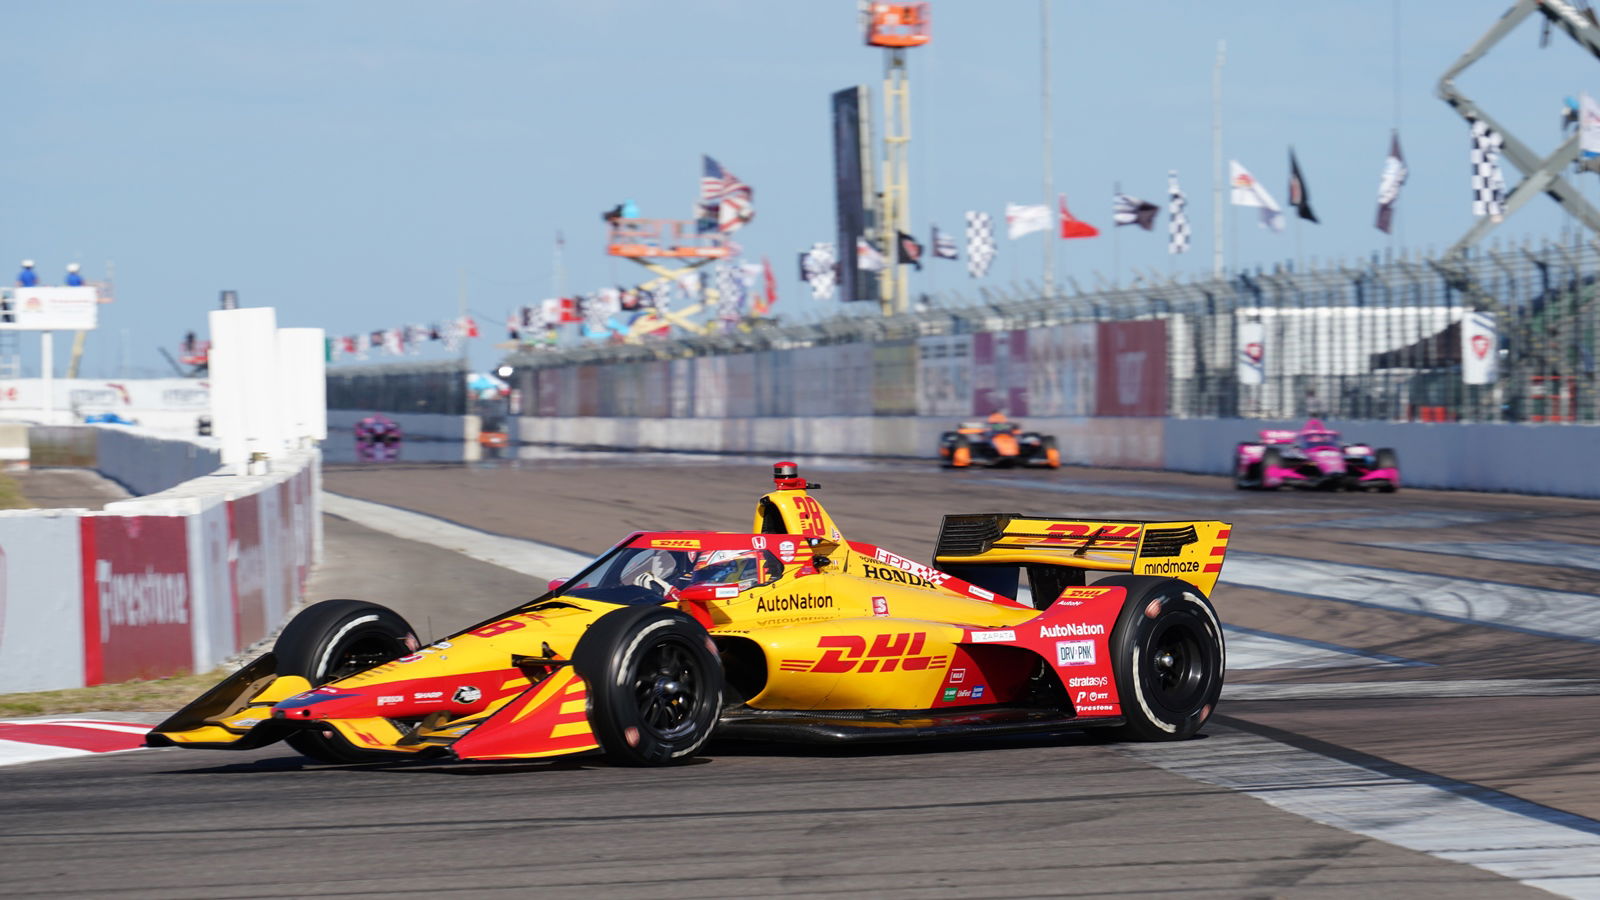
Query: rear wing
x,y
1058,553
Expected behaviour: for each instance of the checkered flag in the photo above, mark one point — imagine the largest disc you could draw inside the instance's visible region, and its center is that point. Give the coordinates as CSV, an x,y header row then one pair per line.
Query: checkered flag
x,y
1488,182
980,243
819,267
1178,220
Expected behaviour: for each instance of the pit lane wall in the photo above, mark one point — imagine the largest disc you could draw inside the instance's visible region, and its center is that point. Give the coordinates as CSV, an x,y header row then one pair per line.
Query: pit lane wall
x,y
172,582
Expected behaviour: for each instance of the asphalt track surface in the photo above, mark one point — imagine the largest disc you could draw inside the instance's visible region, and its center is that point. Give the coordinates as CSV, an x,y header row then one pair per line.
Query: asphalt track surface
x,y
1393,725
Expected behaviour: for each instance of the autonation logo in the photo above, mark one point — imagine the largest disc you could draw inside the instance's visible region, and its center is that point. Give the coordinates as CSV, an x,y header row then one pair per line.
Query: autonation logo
x,y
140,598
1070,630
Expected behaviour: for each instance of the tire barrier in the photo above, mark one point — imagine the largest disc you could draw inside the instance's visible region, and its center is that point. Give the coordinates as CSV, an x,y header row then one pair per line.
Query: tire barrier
x,y
172,582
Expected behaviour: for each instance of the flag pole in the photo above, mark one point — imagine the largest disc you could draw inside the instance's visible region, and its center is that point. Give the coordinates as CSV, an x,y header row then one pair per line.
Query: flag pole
x,y
1216,159
1049,179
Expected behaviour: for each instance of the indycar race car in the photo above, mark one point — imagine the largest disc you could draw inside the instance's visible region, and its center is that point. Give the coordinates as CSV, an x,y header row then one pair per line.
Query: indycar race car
x,y
997,443
787,633
378,438
1313,457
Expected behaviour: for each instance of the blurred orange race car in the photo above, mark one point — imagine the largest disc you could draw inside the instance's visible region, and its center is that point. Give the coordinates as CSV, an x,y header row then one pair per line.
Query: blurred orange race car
x,y
997,442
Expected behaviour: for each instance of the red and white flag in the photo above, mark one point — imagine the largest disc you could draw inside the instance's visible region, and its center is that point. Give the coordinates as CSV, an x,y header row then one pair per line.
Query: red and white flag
x,y
1072,227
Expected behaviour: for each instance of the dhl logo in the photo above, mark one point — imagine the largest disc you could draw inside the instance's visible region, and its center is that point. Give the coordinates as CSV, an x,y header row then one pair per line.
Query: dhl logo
x,y
1083,593
1073,534
850,653
676,543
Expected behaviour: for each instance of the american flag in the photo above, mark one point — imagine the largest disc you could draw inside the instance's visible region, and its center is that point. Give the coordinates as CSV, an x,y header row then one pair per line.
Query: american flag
x,y
724,199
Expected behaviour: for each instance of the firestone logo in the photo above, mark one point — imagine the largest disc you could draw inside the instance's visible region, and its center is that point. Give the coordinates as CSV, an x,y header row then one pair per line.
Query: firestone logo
x,y
1070,630
140,598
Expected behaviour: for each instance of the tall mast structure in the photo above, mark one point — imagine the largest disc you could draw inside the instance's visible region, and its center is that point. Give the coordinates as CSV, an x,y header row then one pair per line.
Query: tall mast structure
x,y
896,27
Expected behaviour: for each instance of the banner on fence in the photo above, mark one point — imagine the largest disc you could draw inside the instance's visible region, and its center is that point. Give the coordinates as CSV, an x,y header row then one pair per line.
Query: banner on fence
x,y
944,376
1252,352
1132,373
1479,345
1061,370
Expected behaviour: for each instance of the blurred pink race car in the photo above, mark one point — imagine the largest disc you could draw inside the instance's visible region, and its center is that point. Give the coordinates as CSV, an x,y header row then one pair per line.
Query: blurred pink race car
x,y
1313,457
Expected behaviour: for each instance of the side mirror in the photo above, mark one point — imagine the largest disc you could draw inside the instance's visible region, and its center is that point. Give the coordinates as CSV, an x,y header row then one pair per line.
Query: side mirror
x,y
705,593
556,583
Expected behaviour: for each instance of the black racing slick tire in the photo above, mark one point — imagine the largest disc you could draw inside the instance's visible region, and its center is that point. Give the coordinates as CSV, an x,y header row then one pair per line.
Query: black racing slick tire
x,y
1386,458
1271,458
335,639
655,685
1049,453
1169,657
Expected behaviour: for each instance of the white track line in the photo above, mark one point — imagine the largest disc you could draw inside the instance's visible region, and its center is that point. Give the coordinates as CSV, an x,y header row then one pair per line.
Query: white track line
x,y
1519,840
1559,614
1400,690
1539,553
527,557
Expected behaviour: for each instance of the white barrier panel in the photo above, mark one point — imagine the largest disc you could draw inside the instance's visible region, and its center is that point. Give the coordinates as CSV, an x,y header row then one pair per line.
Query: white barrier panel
x,y
246,393
302,365
41,601
148,401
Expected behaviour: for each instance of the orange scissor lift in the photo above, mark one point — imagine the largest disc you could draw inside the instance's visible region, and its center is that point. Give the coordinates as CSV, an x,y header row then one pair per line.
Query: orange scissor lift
x,y
670,249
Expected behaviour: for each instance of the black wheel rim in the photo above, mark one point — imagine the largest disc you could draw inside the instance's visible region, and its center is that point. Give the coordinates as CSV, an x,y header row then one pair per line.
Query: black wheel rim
x,y
363,651
667,687
1177,671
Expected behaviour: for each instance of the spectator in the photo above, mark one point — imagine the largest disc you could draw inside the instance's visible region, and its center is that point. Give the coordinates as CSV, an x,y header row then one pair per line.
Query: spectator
x,y
27,277
74,279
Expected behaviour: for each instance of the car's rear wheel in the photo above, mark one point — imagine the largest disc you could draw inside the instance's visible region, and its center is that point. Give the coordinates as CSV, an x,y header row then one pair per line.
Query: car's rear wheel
x,y
1049,451
1388,459
961,453
1168,656
655,685
331,640
1271,458
1244,476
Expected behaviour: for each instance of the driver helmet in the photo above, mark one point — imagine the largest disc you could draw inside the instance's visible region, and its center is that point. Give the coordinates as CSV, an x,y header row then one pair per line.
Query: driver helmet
x,y
72,267
740,567
996,418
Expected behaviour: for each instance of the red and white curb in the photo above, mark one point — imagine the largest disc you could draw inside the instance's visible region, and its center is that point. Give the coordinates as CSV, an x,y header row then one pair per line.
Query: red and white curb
x,y
32,740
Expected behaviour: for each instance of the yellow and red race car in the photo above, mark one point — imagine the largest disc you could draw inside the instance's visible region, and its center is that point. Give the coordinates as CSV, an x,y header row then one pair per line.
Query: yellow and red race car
x,y
997,442
787,633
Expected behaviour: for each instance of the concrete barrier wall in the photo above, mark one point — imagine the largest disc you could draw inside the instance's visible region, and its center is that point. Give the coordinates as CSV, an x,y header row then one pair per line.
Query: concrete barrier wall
x,y
1525,459
1530,459
172,582
1132,443
146,462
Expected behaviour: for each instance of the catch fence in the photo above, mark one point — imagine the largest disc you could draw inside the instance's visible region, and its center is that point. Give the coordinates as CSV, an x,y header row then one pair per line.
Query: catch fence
x,y
1501,335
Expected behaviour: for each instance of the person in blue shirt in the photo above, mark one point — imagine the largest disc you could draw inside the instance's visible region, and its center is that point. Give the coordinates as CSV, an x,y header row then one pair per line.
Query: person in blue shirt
x,y
27,277
74,278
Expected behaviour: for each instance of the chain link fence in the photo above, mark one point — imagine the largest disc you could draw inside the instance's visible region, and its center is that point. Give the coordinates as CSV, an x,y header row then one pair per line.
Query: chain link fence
x,y
1378,340
439,387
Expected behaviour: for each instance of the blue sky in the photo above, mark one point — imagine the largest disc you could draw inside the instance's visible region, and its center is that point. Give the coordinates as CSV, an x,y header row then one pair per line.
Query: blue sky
x,y
351,162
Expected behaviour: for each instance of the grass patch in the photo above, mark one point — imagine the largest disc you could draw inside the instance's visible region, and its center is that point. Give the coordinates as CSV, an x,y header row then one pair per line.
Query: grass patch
x,y
11,494
163,695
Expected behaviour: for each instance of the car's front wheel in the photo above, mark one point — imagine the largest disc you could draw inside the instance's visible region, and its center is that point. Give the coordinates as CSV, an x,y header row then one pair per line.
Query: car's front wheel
x,y
1168,654
331,640
655,685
